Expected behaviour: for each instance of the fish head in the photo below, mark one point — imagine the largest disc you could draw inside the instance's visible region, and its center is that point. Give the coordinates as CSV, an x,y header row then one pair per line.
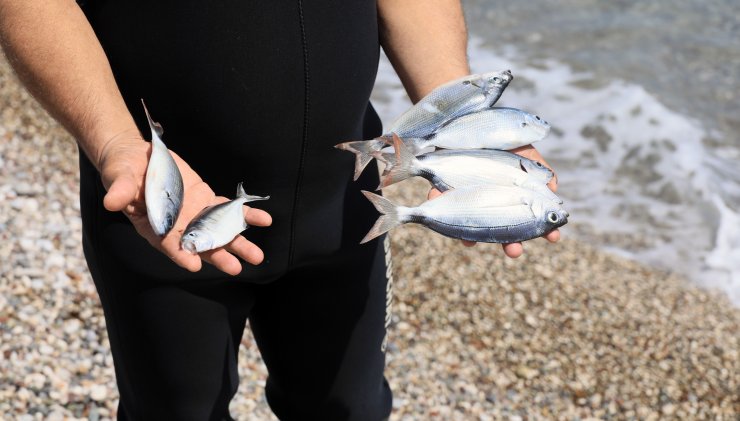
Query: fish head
x,y
196,241
535,125
495,82
555,216
163,220
537,170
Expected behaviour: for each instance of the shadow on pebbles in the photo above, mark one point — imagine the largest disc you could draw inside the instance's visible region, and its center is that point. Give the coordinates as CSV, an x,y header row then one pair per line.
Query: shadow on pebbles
x,y
564,332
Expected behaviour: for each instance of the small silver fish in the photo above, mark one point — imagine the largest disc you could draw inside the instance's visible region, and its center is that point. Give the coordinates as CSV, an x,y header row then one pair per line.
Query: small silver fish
x,y
445,103
490,214
449,169
497,128
163,190
449,101
216,226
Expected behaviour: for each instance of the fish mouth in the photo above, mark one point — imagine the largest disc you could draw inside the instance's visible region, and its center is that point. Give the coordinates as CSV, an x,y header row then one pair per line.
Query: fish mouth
x,y
190,247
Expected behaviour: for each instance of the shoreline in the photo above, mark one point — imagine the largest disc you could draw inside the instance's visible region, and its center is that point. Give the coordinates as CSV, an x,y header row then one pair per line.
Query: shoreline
x,y
565,331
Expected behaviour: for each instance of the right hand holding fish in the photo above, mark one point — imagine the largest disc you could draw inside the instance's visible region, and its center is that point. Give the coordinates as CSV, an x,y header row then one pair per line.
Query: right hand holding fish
x,y
123,163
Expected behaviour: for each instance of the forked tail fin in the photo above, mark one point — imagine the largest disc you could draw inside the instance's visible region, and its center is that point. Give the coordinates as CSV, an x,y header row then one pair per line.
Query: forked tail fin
x,y
364,149
404,164
387,221
241,194
156,128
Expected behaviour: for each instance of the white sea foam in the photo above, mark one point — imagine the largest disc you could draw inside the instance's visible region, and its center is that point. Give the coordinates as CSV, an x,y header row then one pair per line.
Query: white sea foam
x,y
637,177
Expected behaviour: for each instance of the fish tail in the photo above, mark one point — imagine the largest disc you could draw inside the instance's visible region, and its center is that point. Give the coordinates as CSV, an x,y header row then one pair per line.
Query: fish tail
x,y
241,194
364,149
405,164
388,220
157,130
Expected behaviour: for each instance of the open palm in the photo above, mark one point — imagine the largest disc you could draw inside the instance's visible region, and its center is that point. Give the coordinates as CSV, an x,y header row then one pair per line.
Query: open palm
x,y
123,168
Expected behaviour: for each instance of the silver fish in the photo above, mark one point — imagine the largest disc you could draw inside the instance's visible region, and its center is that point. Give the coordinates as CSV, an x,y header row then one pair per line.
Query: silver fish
x,y
449,169
216,226
163,190
445,103
491,214
497,128
449,101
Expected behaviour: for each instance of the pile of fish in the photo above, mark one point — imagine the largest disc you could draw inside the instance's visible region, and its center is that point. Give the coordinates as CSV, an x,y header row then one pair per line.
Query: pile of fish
x,y
215,226
457,140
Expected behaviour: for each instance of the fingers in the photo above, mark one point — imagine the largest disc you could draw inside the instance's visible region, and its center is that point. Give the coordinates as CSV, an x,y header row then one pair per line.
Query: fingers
x,y
257,217
247,250
433,193
223,261
121,193
553,236
513,250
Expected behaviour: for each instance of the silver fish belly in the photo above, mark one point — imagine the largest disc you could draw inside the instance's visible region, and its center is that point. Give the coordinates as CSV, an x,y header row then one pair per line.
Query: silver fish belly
x,y
497,128
217,225
449,169
453,99
491,214
163,189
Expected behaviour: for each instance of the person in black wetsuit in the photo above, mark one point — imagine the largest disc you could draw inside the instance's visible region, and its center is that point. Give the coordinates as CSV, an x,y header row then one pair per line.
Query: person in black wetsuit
x,y
248,91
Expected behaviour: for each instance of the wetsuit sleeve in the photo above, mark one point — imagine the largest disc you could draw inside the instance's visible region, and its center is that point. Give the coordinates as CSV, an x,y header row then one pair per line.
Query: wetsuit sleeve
x,y
425,41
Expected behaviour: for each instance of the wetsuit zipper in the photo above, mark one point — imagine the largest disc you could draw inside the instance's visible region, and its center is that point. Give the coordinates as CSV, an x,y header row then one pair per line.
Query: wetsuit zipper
x,y
306,108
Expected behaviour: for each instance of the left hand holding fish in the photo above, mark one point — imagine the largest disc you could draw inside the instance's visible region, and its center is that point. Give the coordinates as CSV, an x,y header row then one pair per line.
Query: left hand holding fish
x,y
514,250
123,166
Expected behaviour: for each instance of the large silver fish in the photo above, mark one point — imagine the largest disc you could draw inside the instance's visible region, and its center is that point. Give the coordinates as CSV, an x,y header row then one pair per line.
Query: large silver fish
x,y
496,128
445,103
216,226
163,189
491,214
449,169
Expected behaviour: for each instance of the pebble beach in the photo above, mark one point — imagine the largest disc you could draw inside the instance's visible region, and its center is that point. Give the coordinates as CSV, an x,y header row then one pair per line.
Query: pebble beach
x,y
566,332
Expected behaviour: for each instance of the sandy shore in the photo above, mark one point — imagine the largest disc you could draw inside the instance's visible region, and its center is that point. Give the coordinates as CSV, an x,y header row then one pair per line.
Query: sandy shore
x,y
565,332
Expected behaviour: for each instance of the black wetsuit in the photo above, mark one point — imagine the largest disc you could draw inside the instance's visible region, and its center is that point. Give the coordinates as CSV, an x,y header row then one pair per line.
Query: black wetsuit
x,y
255,92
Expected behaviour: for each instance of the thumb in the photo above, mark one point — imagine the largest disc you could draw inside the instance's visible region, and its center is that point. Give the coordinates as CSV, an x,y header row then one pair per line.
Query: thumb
x,y
120,193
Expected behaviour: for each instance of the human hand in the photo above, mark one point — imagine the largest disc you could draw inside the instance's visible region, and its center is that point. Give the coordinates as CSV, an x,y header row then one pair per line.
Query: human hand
x,y
515,250
122,164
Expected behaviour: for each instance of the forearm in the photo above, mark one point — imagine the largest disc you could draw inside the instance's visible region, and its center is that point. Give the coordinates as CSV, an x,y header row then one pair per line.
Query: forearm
x,y
426,41
57,56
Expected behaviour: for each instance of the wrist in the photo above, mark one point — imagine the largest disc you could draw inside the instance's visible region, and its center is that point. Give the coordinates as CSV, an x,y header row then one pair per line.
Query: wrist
x,y
100,150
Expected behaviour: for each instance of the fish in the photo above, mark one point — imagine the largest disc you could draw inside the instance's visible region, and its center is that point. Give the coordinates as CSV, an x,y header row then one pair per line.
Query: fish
x,y
445,103
449,169
496,128
490,214
449,101
217,225
163,187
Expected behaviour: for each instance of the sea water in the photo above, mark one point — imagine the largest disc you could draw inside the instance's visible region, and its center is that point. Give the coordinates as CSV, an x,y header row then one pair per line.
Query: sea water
x,y
644,137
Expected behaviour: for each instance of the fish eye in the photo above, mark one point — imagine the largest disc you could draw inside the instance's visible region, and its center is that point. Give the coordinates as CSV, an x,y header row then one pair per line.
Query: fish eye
x,y
497,79
553,217
538,163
